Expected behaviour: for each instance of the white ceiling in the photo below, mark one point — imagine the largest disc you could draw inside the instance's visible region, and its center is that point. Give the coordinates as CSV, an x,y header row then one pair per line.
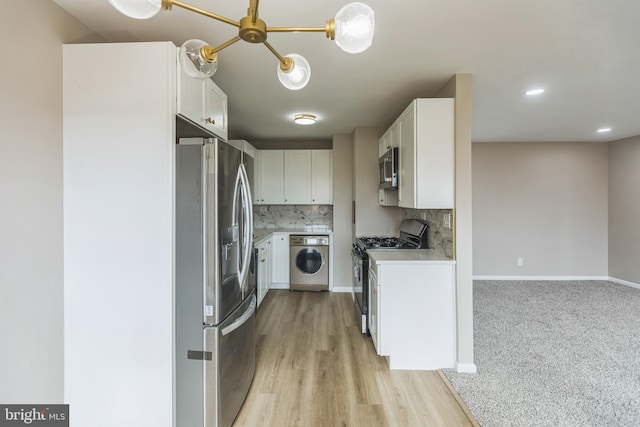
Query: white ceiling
x,y
583,52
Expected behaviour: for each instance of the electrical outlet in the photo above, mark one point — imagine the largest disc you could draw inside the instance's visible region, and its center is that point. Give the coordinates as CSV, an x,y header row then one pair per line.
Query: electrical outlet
x,y
520,262
423,215
446,220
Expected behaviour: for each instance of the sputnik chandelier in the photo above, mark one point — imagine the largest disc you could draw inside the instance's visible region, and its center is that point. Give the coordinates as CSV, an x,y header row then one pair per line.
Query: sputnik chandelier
x,y
352,29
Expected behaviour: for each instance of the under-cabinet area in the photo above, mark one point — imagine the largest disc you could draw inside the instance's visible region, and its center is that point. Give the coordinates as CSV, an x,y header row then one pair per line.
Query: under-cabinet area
x,y
279,252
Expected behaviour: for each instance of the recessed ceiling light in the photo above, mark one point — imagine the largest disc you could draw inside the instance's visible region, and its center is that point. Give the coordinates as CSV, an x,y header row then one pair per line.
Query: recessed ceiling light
x,y
603,130
304,119
534,92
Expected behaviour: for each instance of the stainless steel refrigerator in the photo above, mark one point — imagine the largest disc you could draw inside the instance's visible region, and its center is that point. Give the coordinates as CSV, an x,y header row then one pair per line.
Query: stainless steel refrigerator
x,y
215,295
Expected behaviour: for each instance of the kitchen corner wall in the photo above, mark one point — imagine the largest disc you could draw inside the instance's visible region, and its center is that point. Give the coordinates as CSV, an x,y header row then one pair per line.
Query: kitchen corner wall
x,y
624,209
439,238
311,217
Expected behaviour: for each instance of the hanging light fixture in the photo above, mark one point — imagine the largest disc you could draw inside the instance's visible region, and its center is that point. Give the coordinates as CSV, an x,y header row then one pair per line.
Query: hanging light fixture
x,y
352,29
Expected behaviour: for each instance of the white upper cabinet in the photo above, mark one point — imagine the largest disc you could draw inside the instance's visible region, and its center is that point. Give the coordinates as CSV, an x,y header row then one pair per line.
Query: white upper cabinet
x,y
390,139
297,176
271,181
294,177
321,177
202,102
426,166
215,109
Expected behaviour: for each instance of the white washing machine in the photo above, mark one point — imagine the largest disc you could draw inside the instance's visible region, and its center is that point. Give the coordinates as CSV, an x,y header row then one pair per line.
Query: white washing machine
x,y
309,262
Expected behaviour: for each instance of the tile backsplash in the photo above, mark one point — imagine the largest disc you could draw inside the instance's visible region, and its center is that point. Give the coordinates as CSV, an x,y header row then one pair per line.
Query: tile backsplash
x,y
310,217
439,237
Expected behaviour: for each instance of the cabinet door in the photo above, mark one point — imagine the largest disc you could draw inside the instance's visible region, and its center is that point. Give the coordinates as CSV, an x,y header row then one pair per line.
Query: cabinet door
x,y
384,143
190,96
272,177
297,177
215,109
374,309
321,177
388,197
406,164
263,270
434,142
280,258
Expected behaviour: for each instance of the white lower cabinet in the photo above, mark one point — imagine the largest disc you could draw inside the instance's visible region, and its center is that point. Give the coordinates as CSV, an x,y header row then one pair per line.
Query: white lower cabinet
x,y
264,268
280,261
411,313
373,310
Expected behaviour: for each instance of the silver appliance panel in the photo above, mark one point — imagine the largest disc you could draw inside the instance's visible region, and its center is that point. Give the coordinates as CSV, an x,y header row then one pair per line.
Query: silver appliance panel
x,y
229,364
309,263
388,170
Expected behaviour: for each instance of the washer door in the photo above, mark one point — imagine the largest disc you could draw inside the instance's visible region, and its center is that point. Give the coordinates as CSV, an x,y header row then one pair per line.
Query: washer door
x,y
309,261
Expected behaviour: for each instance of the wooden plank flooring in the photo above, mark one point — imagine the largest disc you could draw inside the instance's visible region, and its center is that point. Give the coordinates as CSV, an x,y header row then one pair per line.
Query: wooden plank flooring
x,y
315,368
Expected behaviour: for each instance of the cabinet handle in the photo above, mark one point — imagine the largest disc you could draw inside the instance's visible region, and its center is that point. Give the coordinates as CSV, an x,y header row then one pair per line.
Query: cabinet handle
x,y
210,120
262,260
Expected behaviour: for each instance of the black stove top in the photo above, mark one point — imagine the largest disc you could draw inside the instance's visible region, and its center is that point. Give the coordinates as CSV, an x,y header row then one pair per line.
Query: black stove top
x,y
383,243
413,235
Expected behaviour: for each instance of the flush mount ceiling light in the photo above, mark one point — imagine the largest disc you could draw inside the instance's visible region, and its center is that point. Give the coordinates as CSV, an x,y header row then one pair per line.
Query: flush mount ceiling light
x,y
304,119
352,29
534,92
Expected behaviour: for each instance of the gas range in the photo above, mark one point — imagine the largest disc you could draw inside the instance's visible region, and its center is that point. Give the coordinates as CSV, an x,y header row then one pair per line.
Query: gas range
x,y
413,235
383,243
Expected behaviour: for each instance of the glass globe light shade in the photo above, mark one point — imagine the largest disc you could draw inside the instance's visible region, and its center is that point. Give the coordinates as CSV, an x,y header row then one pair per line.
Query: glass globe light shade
x,y
138,9
298,76
193,63
354,26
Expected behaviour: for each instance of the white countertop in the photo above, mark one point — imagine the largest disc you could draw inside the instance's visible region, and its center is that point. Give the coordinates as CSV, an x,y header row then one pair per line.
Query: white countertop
x,y
262,233
403,256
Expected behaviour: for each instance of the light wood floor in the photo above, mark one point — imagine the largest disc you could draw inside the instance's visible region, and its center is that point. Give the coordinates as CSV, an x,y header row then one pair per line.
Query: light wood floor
x,y
315,368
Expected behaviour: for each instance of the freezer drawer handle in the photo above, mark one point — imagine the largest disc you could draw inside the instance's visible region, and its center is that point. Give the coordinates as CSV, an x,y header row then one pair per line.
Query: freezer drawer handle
x,y
240,321
199,355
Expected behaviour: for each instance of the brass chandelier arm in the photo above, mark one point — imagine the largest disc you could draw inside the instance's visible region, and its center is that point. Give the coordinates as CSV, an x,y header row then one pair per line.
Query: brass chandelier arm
x,y
253,10
168,3
209,52
328,29
296,29
285,63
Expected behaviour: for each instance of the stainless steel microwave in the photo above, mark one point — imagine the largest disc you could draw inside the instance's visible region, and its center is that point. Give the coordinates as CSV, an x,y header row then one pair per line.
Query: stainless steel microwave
x,y
388,166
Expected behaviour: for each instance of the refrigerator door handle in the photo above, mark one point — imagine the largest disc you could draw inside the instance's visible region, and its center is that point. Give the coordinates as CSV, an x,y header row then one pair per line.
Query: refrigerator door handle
x,y
242,319
247,212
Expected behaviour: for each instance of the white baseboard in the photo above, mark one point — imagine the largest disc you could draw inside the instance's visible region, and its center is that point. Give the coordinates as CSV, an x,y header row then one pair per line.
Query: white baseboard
x,y
625,282
554,278
279,286
466,368
342,289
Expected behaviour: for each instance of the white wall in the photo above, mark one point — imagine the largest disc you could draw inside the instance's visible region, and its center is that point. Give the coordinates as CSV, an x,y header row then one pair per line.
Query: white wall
x,y
543,202
342,271
624,209
31,305
371,218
